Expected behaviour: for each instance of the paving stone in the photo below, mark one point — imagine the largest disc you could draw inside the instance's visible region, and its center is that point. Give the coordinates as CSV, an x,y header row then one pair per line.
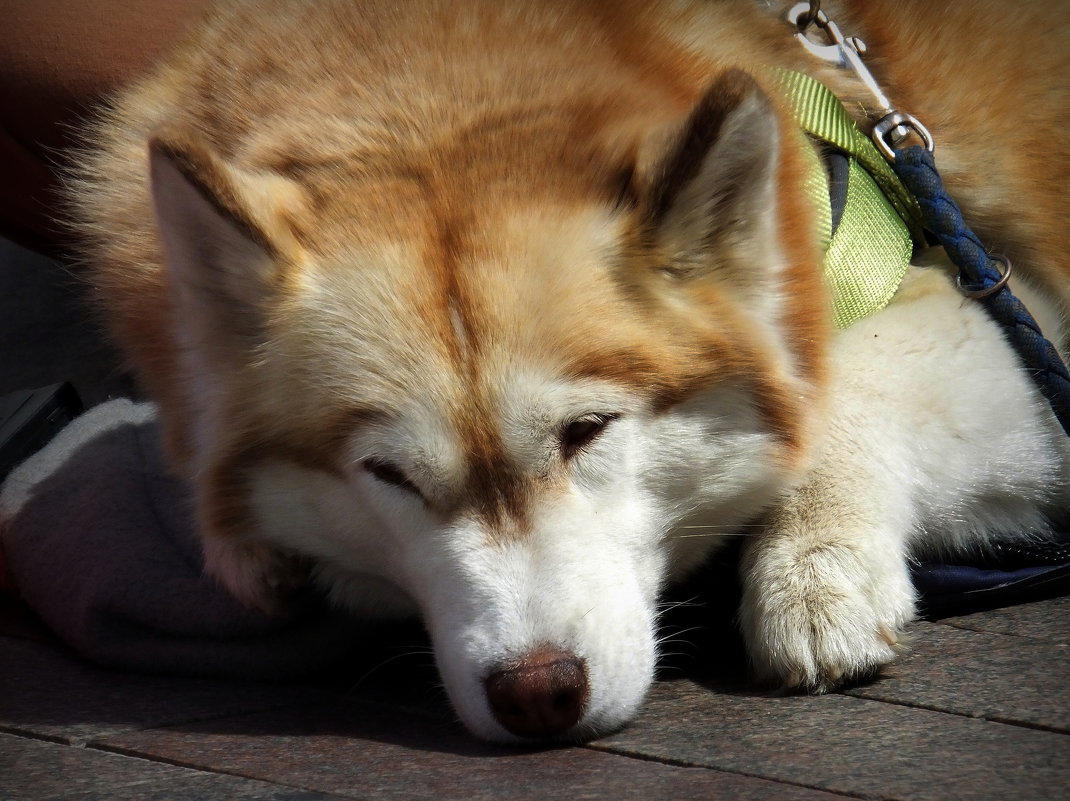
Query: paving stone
x,y
848,745
31,770
1011,679
1047,620
365,751
47,693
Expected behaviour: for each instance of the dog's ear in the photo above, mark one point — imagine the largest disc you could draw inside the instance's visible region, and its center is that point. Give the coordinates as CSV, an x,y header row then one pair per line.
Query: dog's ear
x,y
712,201
222,231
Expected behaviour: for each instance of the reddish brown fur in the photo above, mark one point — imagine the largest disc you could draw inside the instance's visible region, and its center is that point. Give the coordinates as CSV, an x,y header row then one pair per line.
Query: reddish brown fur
x,y
439,126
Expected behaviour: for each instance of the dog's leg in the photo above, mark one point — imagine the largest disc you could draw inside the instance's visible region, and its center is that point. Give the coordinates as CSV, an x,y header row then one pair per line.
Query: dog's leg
x,y
936,441
826,587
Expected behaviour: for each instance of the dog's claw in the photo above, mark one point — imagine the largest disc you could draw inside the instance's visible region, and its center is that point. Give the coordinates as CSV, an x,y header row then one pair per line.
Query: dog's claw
x,y
888,635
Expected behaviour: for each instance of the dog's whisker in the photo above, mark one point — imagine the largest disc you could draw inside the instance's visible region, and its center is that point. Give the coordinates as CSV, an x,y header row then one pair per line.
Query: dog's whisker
x,y
667,654
668,606
663,668
416,651
670,636
735,527
722,534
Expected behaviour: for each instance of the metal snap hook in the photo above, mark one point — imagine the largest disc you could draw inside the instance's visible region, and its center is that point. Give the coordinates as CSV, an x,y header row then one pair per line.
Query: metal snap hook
x,y
892,126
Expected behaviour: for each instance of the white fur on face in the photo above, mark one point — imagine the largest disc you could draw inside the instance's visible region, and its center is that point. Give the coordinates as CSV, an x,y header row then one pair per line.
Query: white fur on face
x,y
585,575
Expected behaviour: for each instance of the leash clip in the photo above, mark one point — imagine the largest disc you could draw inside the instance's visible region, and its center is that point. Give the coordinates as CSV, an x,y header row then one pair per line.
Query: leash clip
x,y
892,127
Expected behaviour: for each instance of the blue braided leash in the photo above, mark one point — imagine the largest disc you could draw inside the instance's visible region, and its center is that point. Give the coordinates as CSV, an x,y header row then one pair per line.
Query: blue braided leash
x,y
979,278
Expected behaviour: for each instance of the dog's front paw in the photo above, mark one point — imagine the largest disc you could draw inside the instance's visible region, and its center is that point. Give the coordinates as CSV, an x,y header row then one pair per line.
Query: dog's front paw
x,y
258,575
817,615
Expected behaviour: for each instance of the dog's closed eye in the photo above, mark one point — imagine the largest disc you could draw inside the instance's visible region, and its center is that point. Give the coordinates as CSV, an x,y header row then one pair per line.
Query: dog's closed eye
x,y
580,433
390,474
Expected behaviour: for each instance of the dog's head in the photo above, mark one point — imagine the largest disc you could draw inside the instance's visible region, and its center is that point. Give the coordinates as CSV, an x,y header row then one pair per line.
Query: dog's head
x,y
513,381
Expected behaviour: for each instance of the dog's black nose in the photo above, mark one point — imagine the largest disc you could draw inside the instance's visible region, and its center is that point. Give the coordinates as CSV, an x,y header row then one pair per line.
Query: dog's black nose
x,y
541,695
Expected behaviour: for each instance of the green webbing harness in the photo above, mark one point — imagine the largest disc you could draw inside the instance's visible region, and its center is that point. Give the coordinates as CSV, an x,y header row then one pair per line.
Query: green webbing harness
x,y
868,253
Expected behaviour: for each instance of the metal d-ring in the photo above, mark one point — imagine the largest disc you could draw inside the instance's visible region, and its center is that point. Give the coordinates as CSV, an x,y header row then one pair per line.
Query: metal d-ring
x,y
891,130
977,294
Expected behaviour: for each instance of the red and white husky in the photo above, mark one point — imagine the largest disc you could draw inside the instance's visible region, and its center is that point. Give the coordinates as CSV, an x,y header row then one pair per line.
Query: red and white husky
x,y
485,309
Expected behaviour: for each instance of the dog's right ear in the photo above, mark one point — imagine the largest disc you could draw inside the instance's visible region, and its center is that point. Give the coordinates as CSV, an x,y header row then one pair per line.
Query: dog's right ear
x,y
223,234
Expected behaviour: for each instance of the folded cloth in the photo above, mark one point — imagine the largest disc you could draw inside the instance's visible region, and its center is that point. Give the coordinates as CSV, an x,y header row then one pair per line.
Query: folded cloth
x,y
98,541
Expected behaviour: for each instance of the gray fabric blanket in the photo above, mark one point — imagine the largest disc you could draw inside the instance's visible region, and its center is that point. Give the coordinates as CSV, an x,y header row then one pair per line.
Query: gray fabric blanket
x,y
99,542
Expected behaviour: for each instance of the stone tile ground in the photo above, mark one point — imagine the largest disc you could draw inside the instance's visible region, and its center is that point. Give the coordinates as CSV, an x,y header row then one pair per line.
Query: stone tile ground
x,y
966,715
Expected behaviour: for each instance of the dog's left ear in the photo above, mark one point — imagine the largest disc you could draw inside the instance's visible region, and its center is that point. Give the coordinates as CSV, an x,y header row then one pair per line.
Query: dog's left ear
x,y
223,232
712,200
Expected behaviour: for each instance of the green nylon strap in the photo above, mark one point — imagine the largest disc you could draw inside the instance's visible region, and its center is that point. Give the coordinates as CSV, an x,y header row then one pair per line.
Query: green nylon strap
x,y
868,255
